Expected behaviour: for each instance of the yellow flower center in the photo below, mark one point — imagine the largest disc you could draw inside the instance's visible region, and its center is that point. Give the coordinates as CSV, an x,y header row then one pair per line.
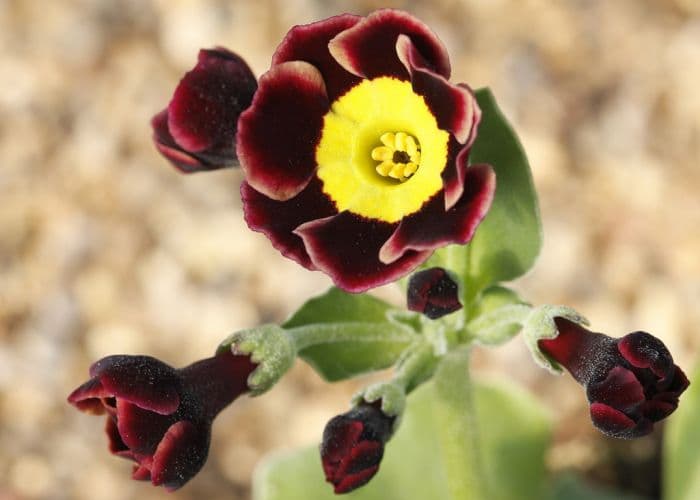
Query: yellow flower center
x,y
381,153
399,156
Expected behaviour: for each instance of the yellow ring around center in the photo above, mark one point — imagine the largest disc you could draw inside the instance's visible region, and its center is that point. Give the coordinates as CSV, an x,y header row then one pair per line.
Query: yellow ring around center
x,y
352,129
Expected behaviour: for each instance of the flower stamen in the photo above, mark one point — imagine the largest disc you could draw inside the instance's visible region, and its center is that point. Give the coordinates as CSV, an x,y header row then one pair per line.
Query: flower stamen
x,y
399,156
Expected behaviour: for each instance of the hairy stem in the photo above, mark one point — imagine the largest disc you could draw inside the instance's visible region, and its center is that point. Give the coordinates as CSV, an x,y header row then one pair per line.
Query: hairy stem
x,y
458,428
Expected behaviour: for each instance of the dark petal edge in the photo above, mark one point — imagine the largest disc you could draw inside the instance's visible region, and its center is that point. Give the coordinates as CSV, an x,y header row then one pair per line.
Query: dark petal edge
x,y
433,226
180,455
454,106
309,43
278,219
142,380
368,49
278,133
346,247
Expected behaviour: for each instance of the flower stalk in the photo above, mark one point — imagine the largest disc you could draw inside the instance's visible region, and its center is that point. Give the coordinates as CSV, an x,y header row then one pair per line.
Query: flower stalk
x,y
459,427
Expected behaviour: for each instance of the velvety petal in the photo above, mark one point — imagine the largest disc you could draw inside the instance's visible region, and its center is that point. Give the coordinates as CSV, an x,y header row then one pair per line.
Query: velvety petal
x,y
433,292
180,159
643,350
339,436
278,219
140,430
454,173
656,410
368,49
454,106
346,247
205,107
278,134
358,467
180,455
141,473
116,444
616,424
679,382
432,227
620,389
142,380
88,397
309,42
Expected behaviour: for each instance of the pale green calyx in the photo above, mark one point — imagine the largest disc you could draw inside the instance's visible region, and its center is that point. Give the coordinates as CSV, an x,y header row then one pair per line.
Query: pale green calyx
x,y
499,325
392,396
271,347
540,325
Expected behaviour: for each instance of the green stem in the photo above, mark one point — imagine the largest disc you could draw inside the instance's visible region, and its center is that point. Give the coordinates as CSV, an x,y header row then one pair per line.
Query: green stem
x,y
416,367
328,333
458,428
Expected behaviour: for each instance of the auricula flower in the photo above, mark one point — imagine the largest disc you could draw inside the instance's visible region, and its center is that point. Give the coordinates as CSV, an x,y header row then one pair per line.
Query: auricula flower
x,y
631,382
158,416
356,149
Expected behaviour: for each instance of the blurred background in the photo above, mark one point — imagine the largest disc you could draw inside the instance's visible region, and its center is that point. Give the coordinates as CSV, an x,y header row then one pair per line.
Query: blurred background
x,y
106,249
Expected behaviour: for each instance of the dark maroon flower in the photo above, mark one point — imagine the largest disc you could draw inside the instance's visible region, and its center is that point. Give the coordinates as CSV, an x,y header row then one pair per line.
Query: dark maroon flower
x,y
353,446
356,149
197,131
433,292
631,382
158,416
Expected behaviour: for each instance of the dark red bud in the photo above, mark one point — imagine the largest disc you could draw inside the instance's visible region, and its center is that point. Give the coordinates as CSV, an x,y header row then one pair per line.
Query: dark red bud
x,y
353,446
433,292
197,131
631,382
158,416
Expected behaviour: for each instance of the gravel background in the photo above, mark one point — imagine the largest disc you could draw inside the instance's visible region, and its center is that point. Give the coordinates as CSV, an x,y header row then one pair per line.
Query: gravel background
x,y
105,249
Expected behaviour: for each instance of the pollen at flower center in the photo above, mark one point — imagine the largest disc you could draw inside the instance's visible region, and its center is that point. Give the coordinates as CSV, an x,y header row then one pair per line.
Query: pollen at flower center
x,y
399,156
381,152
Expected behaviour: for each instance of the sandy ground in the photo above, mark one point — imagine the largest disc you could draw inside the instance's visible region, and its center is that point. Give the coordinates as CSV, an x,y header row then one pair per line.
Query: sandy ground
x,y
105,249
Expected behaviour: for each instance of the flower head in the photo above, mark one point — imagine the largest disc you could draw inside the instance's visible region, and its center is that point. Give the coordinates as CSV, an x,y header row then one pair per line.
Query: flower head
x,y
356,149
433,292
197,131
631,382
158,416
353,446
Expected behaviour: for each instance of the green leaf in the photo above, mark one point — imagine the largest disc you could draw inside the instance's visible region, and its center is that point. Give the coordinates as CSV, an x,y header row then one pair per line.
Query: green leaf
x,y
342,335
508,240
513,433
336,306
681,457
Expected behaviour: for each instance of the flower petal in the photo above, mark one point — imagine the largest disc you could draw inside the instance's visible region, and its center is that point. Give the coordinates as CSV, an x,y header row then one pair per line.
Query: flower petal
x,y
278,134
454,106
179,158
346,247
614,423
278,219
643,350
143,380
619,389
116,444
205,107
88,397
432,226
433,292
309,42
140,430
180,455
368,49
